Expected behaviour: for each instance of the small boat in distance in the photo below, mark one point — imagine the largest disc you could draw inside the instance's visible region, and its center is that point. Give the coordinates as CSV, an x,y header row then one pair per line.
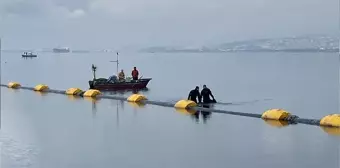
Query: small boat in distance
x,y
61,50
111,84
29,54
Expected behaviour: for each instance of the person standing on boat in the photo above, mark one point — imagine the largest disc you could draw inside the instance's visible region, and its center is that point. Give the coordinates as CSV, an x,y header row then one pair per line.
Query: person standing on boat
x,y
194,94
121,76
206,93
134,73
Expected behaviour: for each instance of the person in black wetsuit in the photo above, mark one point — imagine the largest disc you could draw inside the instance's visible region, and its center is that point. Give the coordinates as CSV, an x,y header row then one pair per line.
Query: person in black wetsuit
x,y
194,94
206,93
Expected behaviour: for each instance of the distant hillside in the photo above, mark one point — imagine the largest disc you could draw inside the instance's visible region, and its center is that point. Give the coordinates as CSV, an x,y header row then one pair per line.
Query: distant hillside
x,y
314,43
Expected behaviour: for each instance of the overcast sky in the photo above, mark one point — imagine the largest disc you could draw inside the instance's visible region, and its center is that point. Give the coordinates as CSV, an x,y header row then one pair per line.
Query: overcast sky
x,y
117,23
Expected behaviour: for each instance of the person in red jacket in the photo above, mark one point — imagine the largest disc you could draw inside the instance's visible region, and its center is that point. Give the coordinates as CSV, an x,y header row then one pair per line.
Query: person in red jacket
x,y
134,73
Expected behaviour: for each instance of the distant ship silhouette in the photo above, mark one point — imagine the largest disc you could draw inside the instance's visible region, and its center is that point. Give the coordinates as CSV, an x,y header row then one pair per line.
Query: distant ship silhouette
x,y
61,50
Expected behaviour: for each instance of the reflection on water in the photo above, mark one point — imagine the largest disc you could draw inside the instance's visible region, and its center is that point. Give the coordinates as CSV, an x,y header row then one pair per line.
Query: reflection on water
x,y
13,90
73,98
195,114
41,93
186,111
145,90
92,99
94,102
121,104
137,104
331,130
28,58
126,92
206,114
275,123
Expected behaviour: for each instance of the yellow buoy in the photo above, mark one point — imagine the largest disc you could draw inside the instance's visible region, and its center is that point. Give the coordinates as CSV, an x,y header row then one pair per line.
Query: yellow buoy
x,y
41,88
136,98
73,91
275,114
184,104
91,93
14,85
332,120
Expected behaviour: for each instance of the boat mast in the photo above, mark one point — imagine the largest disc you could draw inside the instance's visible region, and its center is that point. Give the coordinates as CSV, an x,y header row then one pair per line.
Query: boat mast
x,y
0,80
117,61
94,68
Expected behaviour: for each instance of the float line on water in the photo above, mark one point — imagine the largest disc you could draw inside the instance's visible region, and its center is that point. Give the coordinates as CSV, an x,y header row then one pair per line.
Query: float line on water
x,y
332,120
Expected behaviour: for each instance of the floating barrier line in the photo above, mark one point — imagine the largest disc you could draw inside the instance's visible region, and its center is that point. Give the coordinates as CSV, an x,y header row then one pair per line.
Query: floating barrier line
x,y
157,103
332,120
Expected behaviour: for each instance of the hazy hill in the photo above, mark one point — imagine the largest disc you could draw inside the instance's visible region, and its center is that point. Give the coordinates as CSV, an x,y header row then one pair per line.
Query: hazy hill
x,y
313,43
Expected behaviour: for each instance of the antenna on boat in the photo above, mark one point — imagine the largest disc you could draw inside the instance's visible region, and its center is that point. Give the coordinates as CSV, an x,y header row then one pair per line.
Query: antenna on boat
x,y
117,61
94,68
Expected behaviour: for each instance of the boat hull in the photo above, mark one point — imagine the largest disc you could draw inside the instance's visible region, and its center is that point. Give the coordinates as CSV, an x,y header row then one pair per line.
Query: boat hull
x,y
133,85
29,55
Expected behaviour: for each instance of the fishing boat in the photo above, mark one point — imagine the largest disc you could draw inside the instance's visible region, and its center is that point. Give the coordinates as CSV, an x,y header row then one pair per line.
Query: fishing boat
x,y
29,54
103,84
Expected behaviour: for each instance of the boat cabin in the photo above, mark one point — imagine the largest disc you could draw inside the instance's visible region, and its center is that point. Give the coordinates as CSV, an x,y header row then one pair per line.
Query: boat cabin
x,y
28,53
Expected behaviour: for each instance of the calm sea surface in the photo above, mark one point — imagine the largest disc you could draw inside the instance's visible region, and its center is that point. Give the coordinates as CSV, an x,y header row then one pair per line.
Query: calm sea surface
x,y
57,131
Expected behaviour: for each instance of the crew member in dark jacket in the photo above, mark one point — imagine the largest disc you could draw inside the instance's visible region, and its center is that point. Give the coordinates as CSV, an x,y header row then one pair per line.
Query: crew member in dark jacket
x,y
134,73
206,93
194,94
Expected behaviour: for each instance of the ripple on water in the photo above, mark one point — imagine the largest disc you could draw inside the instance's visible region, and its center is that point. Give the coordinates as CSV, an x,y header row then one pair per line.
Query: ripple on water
x,y
15,154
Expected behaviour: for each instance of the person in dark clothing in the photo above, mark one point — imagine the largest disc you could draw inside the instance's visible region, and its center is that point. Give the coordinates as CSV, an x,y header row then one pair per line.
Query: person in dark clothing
x,y
194,94
206,93
134,73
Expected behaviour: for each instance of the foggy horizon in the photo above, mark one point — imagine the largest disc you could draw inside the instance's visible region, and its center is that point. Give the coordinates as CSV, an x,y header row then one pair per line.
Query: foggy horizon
x,y
98,24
